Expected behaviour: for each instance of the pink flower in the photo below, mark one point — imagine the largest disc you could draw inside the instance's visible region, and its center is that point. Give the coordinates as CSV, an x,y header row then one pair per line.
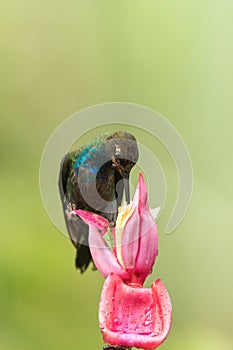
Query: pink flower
x,y
135,239
129,314
139,317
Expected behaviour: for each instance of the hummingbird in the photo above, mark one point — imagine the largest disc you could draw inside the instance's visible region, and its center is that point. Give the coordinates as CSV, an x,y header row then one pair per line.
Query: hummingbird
x,y
95,178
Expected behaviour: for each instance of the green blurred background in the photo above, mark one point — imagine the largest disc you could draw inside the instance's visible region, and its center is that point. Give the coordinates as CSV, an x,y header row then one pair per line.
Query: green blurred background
x,y
59,57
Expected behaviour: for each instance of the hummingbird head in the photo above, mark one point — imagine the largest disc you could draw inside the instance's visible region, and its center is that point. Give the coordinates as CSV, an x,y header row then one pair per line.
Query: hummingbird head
x,y
124,151
124,155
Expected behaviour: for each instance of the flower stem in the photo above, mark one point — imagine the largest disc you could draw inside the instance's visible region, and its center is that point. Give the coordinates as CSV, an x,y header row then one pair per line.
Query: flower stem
x,y
110,347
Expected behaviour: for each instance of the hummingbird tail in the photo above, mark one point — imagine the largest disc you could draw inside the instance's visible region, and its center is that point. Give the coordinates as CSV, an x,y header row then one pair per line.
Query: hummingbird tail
x,y
83,258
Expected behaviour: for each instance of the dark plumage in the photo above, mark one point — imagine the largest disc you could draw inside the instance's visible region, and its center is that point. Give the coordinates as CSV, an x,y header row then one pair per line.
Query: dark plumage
x,y
89,179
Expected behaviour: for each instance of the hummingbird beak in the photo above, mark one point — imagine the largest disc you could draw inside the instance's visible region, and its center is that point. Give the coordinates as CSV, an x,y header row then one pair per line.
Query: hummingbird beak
x,y
126,187
125,176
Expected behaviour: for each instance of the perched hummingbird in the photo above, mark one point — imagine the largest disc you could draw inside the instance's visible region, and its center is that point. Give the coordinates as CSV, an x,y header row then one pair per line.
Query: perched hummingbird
x,y
94,178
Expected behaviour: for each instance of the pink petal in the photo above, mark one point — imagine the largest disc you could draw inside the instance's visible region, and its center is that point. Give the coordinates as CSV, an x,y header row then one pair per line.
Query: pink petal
x,y
143,194
104,259
164,304
92,219
140,239
130,241
148,246
138,317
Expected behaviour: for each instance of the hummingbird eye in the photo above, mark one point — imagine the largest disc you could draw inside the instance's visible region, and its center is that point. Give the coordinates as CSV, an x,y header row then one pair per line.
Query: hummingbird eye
x,y
117,151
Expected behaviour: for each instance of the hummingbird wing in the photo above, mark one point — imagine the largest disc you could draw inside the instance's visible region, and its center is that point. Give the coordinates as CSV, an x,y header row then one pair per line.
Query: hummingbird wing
x,y
71,199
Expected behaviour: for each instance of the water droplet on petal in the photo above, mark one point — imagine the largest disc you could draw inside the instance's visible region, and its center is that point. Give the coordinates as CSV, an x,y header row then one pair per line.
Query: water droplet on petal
x,y
147,322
